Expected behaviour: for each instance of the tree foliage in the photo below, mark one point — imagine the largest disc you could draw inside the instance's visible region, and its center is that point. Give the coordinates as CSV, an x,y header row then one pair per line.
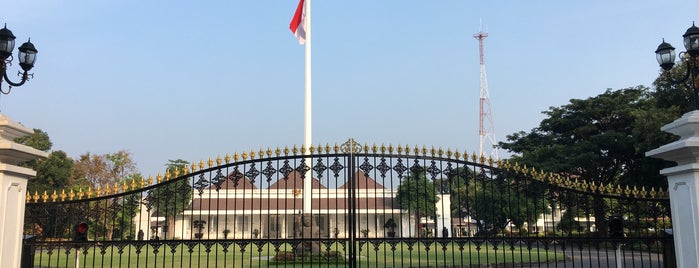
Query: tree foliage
x,y
491,200
51,173
38,140
173,197
602,138
417,194
104,170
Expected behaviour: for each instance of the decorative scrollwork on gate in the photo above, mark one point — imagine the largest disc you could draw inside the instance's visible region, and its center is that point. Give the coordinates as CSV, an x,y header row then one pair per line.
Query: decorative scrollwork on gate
x,y
351,146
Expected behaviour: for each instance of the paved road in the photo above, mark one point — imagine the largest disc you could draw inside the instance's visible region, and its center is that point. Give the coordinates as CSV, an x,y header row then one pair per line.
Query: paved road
x,y
593,258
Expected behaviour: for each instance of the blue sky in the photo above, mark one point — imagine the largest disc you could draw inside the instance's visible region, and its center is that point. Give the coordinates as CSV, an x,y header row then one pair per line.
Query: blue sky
x,y
194,79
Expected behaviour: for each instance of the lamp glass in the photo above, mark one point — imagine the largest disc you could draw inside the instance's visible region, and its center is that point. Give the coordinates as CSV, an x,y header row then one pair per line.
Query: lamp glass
x,y
665,56
27,57
7,45
691,42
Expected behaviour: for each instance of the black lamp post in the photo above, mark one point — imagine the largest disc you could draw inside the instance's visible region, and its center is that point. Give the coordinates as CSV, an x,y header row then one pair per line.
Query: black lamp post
x,y
665,55
27,57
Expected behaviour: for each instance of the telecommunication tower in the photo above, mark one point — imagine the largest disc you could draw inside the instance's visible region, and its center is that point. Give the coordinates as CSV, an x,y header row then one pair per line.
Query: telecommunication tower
x,y
486,127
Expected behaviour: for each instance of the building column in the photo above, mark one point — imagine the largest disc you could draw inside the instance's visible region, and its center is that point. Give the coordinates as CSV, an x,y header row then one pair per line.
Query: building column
x,y
443,215
683,186
13,189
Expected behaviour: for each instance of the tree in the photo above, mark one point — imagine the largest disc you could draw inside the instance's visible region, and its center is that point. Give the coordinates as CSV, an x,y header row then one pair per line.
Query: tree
x,y
52,173
38,140
601,139
172,197
417,194
107,170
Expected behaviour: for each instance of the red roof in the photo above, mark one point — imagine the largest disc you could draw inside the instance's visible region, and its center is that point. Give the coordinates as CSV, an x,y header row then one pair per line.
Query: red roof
x,y
295,181
362,181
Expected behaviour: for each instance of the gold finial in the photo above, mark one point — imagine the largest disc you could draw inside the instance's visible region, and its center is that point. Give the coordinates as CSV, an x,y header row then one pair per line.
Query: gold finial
x,y
327,148
89,192
382,149
245,155
400,149
133,184
269,152
54,196
490,161
185,169
63,195
150,179
336,148
211,162
236,156
36,196
201,165
474,157
124,187
295,150
643,192
635,191
627,191
227,158
159,178
457,155
366,148
407,149
652,192
618,190
320,148
416,150
449,153
303,149
608,189
286,150
278,151
80,193
28,197
261,153
432,151
390,148
176,173
374,148
193,166
252,154
312,149
218,160
440,152
45,196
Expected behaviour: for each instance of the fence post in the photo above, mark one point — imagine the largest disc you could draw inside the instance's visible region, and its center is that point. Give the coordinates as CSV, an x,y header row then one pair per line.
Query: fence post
x,y
13,189
682,185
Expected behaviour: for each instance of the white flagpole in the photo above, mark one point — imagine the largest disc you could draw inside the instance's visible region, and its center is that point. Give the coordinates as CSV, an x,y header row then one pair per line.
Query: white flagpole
x,y
307,111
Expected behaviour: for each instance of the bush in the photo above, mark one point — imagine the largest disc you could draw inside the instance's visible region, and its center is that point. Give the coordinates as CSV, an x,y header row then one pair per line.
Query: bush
x,y
284,256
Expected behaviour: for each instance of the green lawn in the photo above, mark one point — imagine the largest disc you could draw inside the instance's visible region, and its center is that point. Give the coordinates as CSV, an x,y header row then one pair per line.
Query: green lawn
x,y
251,256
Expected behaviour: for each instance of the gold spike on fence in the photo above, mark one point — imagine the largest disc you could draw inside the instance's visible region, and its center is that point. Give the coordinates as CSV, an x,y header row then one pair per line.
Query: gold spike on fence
x,y
400,150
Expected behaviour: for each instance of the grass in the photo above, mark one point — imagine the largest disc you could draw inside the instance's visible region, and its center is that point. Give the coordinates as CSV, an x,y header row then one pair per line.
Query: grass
x,y
369,255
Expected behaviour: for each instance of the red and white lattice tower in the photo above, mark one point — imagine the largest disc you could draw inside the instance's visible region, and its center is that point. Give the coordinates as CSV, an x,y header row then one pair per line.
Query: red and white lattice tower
x,y
486,127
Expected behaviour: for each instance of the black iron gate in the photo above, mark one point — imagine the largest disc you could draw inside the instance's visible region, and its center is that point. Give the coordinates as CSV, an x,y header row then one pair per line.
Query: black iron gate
x,y
371,206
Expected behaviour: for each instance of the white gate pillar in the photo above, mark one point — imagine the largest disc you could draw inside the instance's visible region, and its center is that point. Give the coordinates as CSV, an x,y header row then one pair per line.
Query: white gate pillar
x,y
683,185
13,189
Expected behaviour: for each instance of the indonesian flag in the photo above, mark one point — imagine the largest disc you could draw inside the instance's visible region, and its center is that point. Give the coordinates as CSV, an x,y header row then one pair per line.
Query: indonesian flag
x,y
298,22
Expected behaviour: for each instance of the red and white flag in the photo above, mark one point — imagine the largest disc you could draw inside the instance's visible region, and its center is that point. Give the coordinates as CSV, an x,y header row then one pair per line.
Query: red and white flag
x,y
298,23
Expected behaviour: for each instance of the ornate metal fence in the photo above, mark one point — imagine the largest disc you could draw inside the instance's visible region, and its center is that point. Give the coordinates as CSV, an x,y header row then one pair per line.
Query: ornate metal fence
x,y
370,206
